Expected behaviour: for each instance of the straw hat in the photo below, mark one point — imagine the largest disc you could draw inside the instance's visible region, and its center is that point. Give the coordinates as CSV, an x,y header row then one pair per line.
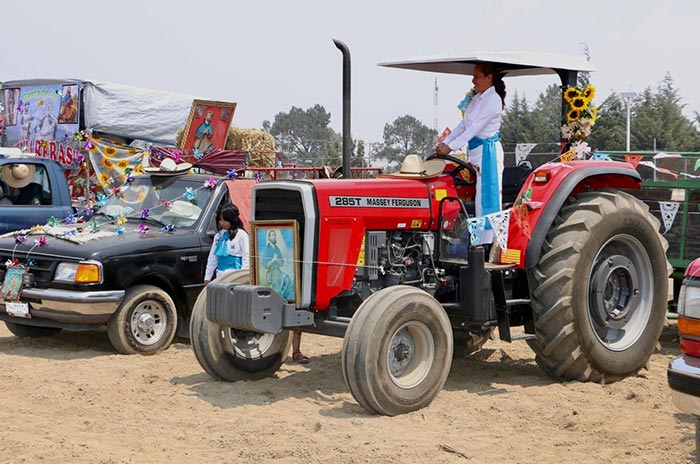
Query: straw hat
x,y
18,175
413,167
185,209
168,167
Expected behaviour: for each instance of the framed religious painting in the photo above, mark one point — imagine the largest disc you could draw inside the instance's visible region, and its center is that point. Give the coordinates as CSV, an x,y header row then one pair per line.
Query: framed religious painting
x,y
274,259
207,127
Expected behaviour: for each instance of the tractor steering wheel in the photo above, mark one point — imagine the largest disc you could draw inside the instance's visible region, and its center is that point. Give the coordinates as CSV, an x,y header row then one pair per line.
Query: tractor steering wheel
x,y
461,164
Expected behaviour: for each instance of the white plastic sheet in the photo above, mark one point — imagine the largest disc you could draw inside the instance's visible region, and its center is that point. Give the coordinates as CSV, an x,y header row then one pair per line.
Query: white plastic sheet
x,y
134,112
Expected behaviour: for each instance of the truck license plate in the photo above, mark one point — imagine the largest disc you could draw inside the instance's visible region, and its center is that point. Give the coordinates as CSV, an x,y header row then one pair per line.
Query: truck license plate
x,y
18,309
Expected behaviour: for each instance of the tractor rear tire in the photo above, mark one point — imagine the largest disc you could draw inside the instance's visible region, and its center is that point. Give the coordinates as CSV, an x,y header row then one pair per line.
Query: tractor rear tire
x,y
229,354
397,351
599,291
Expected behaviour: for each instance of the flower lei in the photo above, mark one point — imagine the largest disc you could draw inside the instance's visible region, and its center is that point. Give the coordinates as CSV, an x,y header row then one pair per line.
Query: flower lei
x,y
468,97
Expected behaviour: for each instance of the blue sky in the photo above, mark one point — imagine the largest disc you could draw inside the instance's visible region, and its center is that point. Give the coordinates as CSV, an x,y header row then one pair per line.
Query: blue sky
x,y
270,55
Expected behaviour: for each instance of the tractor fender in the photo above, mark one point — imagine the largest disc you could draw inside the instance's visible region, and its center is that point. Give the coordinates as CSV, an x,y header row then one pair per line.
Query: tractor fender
x,y
568,185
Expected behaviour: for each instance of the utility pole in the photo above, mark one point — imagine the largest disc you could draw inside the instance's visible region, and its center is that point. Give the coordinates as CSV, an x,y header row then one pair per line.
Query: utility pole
x,y
628,96
435,110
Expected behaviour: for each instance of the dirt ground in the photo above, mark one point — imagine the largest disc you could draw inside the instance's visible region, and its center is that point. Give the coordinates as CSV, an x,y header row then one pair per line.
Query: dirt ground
x,y
72,399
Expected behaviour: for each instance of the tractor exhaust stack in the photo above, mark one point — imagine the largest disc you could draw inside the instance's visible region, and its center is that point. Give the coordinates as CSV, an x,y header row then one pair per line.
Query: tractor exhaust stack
x,y
347,141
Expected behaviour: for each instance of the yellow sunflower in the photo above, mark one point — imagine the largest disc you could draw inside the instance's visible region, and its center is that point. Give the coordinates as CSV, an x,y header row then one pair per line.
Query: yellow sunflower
x,y
104,179
131,151
573,115
107,163
571,93
93,148
579,103
109,151
589,92
122,164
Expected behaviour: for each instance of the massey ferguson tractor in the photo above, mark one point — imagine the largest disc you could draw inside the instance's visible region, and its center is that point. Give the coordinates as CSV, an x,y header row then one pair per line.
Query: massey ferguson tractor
x,y
388,265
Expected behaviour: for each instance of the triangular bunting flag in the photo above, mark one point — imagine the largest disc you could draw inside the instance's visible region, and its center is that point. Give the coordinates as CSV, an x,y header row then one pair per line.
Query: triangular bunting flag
x,y
522,150
634,159
668,213
476,227
499,223
444,135
521,214
600,156
568,156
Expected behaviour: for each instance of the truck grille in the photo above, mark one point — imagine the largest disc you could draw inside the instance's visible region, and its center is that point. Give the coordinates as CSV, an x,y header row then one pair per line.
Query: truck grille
x,y
42,268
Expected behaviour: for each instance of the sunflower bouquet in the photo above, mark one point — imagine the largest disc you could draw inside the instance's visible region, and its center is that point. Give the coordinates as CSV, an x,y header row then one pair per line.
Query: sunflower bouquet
x,y
581,114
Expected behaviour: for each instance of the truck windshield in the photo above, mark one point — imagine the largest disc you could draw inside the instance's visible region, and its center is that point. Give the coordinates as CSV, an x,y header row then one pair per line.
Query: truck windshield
x,y
174,200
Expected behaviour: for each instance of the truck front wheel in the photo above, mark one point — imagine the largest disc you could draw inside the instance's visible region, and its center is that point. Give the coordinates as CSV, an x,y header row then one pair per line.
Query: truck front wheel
x,y
144,323
397,351
229,354
599,292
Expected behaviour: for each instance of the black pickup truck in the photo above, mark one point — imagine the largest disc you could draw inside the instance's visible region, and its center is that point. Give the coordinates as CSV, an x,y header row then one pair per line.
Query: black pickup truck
x,y
141,285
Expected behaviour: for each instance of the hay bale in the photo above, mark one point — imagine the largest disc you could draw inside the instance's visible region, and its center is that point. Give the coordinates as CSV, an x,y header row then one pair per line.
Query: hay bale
x,y
259,144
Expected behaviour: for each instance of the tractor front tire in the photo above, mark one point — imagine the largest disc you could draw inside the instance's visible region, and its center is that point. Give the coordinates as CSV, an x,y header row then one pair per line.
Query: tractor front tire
x,y
229,354
397,351
599,291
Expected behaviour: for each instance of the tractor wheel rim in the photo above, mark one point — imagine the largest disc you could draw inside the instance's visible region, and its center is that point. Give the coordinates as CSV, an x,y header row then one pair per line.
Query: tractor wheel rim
x,y
148,322
621,287
249,345
410,354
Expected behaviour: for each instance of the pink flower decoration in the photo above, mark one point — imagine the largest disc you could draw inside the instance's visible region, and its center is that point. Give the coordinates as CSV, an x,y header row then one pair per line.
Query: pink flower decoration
x,y
143,228
166,204
41,242
210,183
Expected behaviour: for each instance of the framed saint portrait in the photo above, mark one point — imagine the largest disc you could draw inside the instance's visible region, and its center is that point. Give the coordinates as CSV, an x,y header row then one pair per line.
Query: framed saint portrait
x,y
12,284
207,127
274,259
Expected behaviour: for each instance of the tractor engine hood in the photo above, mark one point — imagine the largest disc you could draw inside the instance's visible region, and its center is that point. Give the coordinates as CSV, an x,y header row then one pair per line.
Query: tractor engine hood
x,y
385,203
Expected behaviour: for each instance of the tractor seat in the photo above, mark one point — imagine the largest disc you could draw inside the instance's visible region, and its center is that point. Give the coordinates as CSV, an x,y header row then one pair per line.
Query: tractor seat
x,y
513,179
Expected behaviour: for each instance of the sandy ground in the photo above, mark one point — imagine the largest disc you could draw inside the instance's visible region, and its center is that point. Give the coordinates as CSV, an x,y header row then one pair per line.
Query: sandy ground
x,y
72,399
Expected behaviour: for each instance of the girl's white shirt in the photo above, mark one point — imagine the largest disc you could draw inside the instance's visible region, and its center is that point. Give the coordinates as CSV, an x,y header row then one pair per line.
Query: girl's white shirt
x,y
236,247
482,119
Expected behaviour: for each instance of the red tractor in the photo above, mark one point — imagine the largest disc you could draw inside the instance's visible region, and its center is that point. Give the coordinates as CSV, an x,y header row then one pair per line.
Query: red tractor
x,y
387,264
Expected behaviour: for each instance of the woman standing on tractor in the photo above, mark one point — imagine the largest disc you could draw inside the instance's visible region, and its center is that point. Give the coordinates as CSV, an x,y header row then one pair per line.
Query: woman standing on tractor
x,y
482,111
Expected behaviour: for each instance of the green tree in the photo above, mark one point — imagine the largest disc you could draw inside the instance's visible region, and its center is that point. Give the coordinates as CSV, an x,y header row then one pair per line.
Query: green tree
x,y
659,122
304,134
610,129
547,115
517,123
404,136
539,124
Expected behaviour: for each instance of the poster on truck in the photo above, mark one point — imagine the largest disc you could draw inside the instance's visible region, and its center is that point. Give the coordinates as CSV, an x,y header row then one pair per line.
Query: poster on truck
x,y
42,118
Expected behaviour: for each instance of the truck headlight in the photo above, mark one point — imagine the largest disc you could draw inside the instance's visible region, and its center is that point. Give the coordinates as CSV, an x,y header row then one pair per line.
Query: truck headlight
x,y
84,272
689,316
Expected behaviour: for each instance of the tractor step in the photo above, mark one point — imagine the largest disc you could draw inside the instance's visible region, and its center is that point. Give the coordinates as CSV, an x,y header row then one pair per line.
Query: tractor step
x,y
518,301
524,336
498,267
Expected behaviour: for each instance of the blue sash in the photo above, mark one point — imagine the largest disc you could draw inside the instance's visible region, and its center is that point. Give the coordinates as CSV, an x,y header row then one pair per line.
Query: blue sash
x,y
224,261
489,174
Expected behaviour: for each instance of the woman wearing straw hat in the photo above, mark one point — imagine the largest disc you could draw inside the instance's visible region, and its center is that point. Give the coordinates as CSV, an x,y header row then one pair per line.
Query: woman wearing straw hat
x,y
479,129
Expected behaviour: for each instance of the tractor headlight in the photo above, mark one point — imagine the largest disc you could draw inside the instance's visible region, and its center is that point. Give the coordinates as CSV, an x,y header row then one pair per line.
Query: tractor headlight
x,y
84,272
